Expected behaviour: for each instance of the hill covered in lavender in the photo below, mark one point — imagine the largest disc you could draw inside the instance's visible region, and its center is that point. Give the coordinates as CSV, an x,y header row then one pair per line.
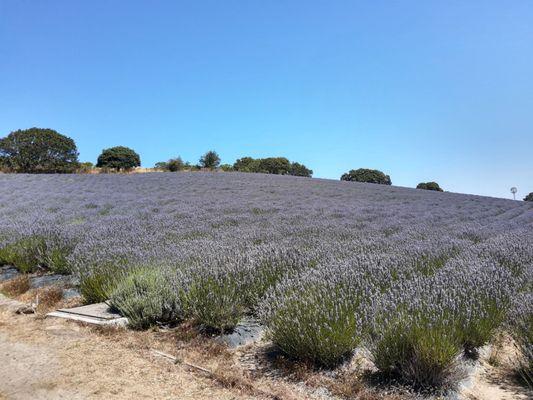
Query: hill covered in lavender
x,y
328,266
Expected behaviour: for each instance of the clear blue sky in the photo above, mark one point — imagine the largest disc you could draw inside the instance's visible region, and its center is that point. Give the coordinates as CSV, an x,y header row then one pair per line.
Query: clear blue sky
x,y
423,90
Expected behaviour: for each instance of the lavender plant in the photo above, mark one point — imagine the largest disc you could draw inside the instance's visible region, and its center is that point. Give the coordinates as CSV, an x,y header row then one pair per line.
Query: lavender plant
x,y
212,294
445,266
319,316
521,328
146,297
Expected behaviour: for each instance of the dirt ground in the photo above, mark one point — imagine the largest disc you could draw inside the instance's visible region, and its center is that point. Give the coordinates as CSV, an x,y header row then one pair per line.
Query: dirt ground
x,y
51,358
56,359
497,380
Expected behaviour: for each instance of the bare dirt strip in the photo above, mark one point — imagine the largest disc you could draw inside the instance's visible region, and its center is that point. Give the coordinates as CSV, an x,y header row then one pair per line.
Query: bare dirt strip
x,y
55,359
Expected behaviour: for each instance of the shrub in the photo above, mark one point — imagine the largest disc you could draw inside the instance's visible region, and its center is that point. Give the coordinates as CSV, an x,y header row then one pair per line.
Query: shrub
x,y
529,197
270,266
45,249
23,254
429,186
226,167
298,169
97,286
246,164
175,164
318,317
271,165
162,165
481,299
146,298
210,160
521,328
38,150
214,301
275,165
367,175
421,352
172,165
479,323
424,325
119,158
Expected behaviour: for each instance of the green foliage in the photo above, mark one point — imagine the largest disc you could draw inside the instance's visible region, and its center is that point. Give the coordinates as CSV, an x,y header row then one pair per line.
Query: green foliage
x,y
476,330
85,167
28,254
367,175
146,298
162,165
423,354
37,150
172,165
429,186
522,333
312,324
23,254
210,160
298,169
98,285
3,164
119,158
271,165
215,303
226,167
268,270
275,165
246,164
529,197
175,164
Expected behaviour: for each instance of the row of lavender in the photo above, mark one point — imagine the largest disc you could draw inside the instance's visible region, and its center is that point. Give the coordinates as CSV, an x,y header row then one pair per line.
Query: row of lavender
x,y
416,277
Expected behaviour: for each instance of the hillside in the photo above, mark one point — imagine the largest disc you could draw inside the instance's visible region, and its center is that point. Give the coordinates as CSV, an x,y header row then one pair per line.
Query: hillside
x,y
326,266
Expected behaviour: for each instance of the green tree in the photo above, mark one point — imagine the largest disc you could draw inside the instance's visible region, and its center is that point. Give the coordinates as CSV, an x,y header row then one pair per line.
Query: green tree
x,y
175,164
429,186
271,165
298,169
210,160
275,165
38,150
529,197
119,158
367,175
163,165
246,164
226,167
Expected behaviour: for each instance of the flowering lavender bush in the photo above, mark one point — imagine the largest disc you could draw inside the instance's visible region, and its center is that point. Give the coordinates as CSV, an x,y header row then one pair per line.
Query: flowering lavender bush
x,y
45,251
146,297
419,349
319,316
344,262
213,298
521,328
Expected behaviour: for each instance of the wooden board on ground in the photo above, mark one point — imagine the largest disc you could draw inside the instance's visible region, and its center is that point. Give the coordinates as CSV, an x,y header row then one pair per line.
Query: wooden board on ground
x,y
98,314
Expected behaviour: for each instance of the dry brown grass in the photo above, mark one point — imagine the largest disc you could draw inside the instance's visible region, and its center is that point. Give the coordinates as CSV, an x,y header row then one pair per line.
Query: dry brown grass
x,y
347,382
16,286
48,298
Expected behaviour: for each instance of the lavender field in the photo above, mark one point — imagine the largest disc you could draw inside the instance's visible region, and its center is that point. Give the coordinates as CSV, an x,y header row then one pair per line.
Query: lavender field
x,y
418,278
